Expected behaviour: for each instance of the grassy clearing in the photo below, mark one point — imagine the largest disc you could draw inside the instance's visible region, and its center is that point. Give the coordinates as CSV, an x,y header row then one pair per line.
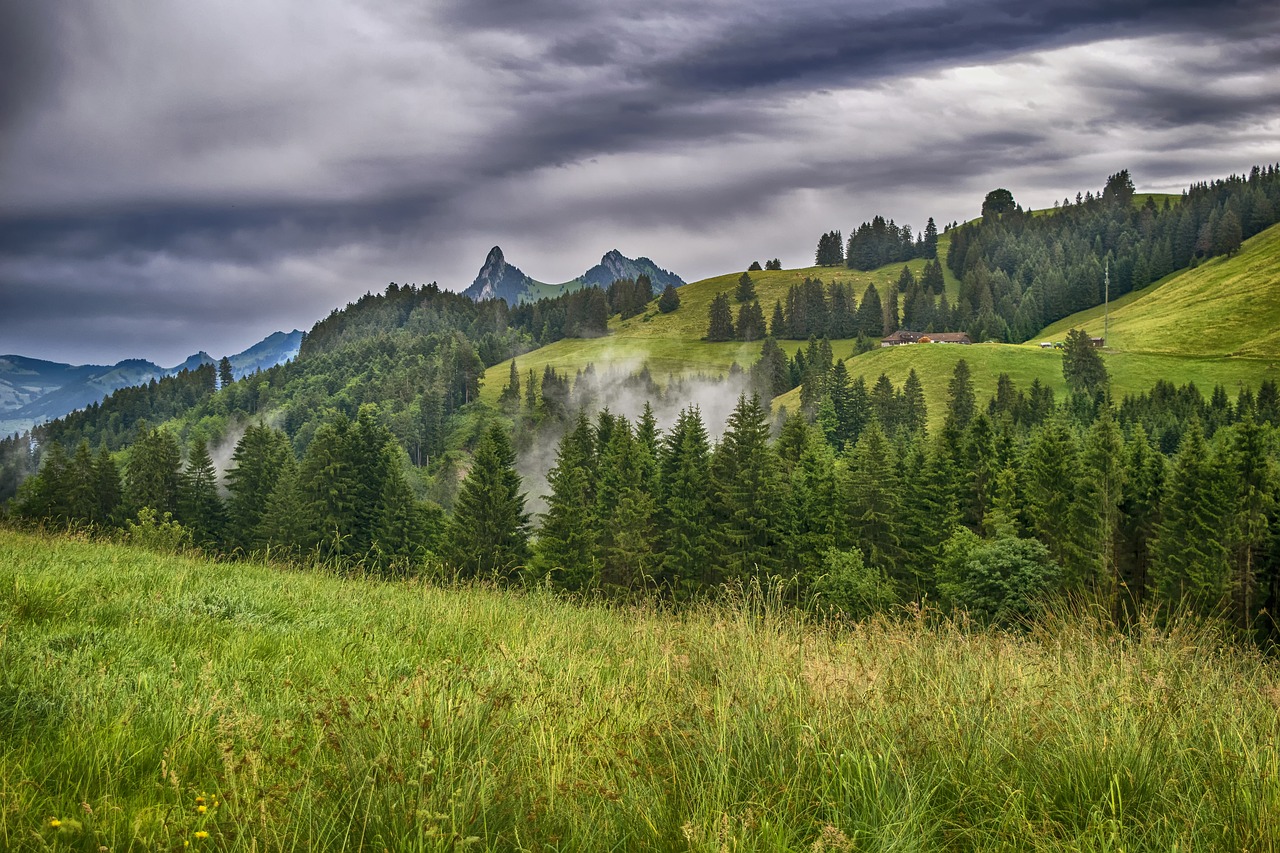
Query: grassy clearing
x,y
314,712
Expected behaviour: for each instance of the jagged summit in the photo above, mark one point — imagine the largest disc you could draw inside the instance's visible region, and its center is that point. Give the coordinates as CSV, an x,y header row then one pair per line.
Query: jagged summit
x,y
498,279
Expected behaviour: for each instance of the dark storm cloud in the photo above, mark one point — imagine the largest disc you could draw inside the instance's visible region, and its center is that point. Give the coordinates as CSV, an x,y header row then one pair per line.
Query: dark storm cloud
x,y
262,163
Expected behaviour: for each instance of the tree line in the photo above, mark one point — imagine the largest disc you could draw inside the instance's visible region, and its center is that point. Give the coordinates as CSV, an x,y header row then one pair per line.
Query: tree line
x,y
1164,497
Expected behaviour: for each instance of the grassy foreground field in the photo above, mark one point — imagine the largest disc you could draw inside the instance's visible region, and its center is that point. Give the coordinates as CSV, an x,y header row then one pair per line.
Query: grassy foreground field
x,y
152,702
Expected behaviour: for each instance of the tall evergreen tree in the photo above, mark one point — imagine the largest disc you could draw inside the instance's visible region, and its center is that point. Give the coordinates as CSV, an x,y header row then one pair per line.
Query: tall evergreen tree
x,y
1191,564
565,549
683,505
961,403
720,319
153,472
871,313
225,374
258,459
746,291
200,509
871,500
747,495
489,533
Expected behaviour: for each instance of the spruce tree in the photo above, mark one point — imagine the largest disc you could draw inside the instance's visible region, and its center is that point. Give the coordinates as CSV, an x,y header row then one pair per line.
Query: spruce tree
x,y
258,458
669,300
961,403
106,488
751,326
565,549
509,399
915,412
624,511
1191,566
871,313
200,509
684,491
1049,485
488,534
225,374
871,500
286,525
720,319
81,498
1102,487
1251,490
153,472
1139,512
812,516
747,495
403,531
746,291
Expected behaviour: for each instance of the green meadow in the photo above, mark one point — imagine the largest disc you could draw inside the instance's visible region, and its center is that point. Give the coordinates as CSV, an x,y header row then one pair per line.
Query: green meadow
x,y
153,702
672,343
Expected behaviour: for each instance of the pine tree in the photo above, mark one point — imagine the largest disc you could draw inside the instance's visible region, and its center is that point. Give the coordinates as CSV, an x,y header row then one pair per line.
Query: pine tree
x,y
1191,566
871,500
746,288
1049,485
669,300
961,403
720,319
751,326
1139,512
258,459
1251,491
871,313
200,509
770,375
225,374
1082,367
47,494
403,532
683,483
286,525
812,515
509,399
81,498
891,323
565,550
624,511
106,488
747,494
915,413
153,472
488,535
778,323
1102,487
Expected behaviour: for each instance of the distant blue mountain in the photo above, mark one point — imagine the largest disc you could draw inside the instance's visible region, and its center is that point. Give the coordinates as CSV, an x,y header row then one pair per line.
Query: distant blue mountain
x,y
33,391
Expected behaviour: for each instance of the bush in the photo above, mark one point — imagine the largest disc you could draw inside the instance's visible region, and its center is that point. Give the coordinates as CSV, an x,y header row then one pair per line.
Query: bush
x,y
997,582
163,535
852,588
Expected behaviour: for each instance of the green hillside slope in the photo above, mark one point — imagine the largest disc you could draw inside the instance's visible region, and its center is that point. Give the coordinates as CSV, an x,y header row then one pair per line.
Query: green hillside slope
x,y
672,343
1227,306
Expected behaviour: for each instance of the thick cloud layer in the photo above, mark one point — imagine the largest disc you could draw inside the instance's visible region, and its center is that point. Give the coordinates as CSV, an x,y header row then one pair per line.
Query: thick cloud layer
x,y
186,177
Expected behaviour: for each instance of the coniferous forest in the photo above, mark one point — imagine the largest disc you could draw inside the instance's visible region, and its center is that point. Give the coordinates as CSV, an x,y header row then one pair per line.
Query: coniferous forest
x,y
372,451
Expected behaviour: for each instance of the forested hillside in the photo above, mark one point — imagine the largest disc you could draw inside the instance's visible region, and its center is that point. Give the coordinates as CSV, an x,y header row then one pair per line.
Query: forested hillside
x,y
415,422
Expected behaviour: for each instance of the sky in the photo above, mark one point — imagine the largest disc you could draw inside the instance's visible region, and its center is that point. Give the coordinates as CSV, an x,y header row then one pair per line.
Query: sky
x,y
177,177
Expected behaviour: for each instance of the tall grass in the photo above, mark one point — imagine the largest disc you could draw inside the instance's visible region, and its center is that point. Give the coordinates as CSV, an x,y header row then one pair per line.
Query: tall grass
x,y
311,711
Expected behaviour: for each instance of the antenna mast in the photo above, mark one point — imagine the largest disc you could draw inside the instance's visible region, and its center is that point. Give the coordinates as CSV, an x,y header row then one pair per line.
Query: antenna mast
x,y
1106,302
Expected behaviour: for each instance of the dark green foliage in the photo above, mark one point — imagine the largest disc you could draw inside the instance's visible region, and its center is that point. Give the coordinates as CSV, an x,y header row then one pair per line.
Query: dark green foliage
x,y
961,403
750,326
509,399
746,483
871,313
770,374
225,376
153,472
881,242
565,548
489,533
871,500
683,504
998,582
998,202
258,460
1191,566
830,250
669,300
200,509
720,319
746,291
774,264
286,526
755,267
1082,366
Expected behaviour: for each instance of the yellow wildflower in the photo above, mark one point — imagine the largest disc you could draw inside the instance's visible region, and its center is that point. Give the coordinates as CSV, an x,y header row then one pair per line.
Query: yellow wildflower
x,y
202,809
54,822
202,834
200,800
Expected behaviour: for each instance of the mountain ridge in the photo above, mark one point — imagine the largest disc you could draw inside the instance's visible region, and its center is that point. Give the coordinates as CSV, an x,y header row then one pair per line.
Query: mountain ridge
x,y
34,390
499,279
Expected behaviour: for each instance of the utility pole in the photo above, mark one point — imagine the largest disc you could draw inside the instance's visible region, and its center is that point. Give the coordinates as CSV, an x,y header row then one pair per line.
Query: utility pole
x,y
1106,301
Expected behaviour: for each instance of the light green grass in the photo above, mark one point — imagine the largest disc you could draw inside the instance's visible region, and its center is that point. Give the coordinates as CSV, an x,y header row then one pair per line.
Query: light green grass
x,y
672,343
1131,373
319,713
1224,307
